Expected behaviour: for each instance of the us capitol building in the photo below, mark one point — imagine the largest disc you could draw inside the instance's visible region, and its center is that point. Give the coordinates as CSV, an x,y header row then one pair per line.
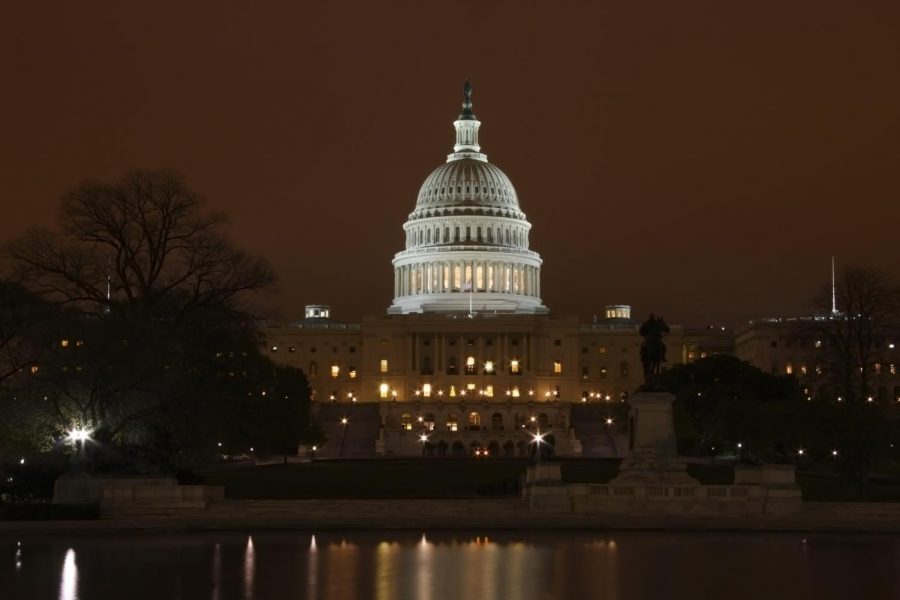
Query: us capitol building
x,y
468,360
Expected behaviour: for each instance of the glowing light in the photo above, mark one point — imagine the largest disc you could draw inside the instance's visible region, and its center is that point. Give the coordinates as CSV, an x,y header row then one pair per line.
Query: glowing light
x,y
81,435
315,448
423,438
21,461
426,390
489,366
834,452
801,451
344,420
740,445
532,418
68,587
609,421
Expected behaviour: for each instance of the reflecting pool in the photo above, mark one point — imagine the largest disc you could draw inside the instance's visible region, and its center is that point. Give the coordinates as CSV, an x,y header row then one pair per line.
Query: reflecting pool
x,y
438,566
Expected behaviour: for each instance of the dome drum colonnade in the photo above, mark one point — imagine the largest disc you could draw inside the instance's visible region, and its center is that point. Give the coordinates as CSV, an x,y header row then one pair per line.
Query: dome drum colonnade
x,y
467,239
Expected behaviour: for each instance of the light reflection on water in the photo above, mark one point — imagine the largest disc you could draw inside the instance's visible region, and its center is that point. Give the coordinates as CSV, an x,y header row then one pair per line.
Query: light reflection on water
x,y
439,566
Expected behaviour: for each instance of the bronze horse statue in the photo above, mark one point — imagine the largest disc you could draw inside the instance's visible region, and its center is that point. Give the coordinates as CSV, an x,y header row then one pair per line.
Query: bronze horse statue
x,y
653,349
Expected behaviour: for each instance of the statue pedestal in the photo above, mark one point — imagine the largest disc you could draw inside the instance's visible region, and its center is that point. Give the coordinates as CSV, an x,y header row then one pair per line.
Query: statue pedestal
x,y
652,455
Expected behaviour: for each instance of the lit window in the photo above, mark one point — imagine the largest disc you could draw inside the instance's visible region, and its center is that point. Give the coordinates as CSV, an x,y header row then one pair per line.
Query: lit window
x,y
426,390
474,419
703,355
452,423
470,386
274,348
690,356
584,372
602,372
406,421
893,369
292,349
384,365
818,343
514,367
557,367
601,349
452,391
352,372
80,343
515,391
789,368
335,371
489,366
470,365
34,369
64,343
489,391
803,368
383,390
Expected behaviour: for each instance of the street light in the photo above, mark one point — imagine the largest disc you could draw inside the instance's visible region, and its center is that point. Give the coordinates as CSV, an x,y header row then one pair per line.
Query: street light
x,y
344,420
537,439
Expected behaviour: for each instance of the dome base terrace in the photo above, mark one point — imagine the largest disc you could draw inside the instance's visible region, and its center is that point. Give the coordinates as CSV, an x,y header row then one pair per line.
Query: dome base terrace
x,y
468,302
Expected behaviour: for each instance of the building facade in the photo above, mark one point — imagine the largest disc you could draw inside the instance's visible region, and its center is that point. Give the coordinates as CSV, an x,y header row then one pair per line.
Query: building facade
x,y
467,359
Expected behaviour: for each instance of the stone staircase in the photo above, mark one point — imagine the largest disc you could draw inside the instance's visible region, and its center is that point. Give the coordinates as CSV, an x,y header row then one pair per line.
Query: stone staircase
x,y
589,422
356,438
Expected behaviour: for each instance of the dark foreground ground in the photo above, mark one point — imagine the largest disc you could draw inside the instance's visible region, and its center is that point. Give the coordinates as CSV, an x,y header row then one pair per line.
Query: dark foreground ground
x,y
465,478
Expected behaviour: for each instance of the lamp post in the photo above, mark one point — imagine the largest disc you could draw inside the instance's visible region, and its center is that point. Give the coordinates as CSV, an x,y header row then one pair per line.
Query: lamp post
x,y
537,439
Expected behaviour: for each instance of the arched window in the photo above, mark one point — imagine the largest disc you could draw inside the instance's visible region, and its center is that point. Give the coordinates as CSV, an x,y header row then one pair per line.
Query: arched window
x,y
428,422
478,234
406,421
521,420
428,237
507,236
474,420
446,234
452,422
490,234
470,365
497,422
468,233
456,234
437,235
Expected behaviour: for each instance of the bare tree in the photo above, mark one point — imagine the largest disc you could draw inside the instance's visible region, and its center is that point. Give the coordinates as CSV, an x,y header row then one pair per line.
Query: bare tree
x,y
144,244
859,316
141,275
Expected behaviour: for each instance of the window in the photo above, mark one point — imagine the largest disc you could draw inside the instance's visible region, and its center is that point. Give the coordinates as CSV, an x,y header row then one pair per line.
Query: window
x,y
514,367
352,372
489,367
515,391
789,368
64,343
489,391
623,370
272,349
335,371
428,422
602,372
557,342
803,368
584,372
818,343
497,422
383,367
470,365
601,349
557,367
313,368
292,349
426,390
474,420
352,349
406,421
451,365
452,423
383,390
584,350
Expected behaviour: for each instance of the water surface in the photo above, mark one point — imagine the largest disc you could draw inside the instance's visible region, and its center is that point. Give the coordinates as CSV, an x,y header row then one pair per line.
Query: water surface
x,y
439,566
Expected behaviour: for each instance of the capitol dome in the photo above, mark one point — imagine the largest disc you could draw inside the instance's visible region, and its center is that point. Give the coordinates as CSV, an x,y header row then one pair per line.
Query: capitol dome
x,y
467,239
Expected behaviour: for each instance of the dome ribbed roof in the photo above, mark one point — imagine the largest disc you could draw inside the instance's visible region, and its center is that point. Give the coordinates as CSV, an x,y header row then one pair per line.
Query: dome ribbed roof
x,y
467,186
